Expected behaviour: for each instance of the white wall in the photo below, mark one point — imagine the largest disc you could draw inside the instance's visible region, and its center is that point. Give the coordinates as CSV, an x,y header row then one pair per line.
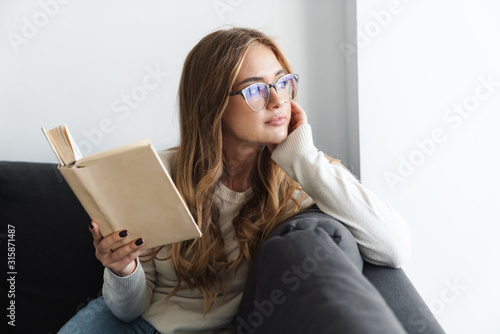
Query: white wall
x,y
84,64
328,96
438,166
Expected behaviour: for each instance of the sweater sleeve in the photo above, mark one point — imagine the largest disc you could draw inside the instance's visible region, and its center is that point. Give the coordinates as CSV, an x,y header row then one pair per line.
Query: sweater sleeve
x,y
382,235
128,297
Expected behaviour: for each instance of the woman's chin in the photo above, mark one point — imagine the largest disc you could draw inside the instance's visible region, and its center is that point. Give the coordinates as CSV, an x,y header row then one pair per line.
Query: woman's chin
x,y
278,139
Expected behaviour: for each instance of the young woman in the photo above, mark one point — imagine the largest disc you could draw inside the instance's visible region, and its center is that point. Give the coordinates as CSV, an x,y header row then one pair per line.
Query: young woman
x,y
246,161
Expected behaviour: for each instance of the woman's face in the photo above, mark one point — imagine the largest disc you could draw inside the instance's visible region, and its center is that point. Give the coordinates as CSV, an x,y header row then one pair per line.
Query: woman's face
x,y
241,126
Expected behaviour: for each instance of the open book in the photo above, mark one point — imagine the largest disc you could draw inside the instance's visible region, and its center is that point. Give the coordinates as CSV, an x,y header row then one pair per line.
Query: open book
x,y
125,188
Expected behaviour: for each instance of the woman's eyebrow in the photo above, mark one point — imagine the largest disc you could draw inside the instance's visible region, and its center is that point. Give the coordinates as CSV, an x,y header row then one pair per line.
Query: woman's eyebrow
x,y
259,79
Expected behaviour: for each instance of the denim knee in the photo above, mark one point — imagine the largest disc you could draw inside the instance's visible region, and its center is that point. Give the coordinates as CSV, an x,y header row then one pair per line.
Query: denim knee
x,y
97,318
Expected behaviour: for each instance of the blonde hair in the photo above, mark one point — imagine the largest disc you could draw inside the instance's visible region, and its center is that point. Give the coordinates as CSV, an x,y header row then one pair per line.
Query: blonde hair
x,y
209,72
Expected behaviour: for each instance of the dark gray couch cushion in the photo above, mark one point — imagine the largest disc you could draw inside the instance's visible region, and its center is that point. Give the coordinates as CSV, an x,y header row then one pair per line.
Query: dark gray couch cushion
x,y
57,272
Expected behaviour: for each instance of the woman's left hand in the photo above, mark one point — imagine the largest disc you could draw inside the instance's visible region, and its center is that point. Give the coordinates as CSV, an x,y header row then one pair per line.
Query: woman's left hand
x,y
297,118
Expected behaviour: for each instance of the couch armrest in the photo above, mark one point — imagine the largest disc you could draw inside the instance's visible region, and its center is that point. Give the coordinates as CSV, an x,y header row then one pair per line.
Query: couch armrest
x,y
384,298
403,298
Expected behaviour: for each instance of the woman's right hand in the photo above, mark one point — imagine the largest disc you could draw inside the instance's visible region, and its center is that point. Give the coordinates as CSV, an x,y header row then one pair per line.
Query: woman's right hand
x,y
121,261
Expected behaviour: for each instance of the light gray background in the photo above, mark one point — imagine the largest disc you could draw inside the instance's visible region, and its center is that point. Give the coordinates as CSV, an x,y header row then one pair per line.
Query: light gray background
x,y
78,65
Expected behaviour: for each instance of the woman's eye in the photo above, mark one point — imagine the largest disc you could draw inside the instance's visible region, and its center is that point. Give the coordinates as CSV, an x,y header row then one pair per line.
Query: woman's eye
x,y
254,89
281,84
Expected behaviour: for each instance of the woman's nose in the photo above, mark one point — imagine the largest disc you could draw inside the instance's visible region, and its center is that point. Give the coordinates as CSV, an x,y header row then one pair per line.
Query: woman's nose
x,y
275,99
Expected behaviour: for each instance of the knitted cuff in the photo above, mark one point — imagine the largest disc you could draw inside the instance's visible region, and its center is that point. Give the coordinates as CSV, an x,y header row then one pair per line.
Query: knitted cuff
x,y
119,283
299,142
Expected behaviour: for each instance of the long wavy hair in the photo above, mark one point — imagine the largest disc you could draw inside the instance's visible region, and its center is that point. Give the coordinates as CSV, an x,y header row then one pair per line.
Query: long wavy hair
x,y
209,72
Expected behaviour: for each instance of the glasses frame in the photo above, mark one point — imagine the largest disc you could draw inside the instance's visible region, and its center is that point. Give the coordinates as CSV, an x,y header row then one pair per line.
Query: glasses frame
x,y
243,91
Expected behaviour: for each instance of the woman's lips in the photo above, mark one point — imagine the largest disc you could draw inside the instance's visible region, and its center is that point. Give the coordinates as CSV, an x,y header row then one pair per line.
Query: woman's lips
x,y
277,120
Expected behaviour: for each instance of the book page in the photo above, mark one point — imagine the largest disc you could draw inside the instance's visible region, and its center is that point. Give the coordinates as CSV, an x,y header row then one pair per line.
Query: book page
x,y
76,151
63,144
51,143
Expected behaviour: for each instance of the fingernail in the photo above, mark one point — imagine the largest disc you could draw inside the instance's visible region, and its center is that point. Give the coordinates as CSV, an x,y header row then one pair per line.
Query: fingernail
x,y
139,242
123,234
91,226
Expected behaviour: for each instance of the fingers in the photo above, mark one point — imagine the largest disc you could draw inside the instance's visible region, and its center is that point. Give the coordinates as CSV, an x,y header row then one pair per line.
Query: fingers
x,y
103,245
120,260
298,113
94,230
106,244
298,116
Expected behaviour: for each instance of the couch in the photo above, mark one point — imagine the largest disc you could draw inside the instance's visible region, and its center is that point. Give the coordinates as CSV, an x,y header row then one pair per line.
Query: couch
x,y
51,271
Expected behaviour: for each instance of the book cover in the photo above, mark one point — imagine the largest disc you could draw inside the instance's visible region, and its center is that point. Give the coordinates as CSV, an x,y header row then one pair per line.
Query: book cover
x,y
129,188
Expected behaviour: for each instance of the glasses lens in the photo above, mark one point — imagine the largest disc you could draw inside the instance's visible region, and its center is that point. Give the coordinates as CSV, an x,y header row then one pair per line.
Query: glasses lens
x,y
287,87
256,96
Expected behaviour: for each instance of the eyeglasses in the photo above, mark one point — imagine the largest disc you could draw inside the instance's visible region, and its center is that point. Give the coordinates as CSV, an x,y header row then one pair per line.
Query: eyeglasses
x,y
257,95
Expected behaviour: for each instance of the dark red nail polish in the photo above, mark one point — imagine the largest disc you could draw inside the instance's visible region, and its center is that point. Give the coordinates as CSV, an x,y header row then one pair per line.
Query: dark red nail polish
x,y
123,234
139,242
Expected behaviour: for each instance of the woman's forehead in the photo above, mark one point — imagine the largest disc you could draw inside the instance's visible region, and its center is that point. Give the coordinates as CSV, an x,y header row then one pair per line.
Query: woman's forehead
x,y
259,62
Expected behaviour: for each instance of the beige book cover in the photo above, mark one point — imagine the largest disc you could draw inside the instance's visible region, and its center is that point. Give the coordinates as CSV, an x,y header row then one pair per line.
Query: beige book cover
x,y
129,188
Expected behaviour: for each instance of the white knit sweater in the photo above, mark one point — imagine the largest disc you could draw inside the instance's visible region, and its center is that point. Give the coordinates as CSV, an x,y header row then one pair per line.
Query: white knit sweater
x,y
382,235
